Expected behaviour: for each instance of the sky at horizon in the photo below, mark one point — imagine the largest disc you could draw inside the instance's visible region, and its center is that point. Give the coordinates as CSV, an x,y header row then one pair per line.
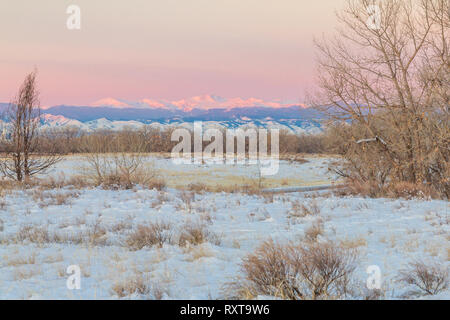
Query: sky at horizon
x,y
171,49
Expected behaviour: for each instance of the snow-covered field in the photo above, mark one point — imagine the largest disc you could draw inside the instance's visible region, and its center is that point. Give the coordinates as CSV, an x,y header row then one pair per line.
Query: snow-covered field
x,y
313,170
42,232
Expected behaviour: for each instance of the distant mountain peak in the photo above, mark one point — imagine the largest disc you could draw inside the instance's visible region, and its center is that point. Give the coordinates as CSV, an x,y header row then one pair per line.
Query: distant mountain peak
x,y
109,102
212,110
200,102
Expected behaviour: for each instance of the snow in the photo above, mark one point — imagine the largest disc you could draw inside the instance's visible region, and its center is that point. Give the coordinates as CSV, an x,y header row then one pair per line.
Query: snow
x,y
387,232
202,102
314,171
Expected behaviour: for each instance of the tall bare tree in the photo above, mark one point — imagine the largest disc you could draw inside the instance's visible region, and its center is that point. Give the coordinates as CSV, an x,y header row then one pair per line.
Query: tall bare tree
x,y
387,71
23,121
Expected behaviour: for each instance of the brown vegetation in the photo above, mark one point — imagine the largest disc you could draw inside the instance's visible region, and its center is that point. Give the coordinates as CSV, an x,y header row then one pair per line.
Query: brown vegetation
x,y
297,271
149,235
386,91
195,234
428,278
23,157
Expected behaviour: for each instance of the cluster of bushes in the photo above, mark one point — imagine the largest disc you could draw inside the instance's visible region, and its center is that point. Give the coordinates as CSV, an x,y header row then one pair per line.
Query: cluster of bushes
x,y
312,270
401,163
71,140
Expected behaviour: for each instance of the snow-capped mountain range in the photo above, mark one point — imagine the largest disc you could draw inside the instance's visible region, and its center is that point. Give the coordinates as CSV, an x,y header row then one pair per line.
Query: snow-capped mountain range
x,y
203,102
213,111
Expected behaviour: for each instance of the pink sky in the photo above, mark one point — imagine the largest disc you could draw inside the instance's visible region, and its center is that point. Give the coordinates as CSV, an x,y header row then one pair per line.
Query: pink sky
x,y
169,49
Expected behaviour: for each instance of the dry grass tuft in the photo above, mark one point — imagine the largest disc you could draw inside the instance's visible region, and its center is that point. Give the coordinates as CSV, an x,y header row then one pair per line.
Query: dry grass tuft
x,y
199,188
94,235
198,252
314,230
195,234
156,183
48,198
141,285
59,182
148,235
135,285
25,272
23,260
300,210
400,189
354,243
33,234
187,198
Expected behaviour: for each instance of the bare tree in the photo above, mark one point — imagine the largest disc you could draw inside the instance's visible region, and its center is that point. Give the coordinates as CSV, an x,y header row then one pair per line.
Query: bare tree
x,y
21,142
387,73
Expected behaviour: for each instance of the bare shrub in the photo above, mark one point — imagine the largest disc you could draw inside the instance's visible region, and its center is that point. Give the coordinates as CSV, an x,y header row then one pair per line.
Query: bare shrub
x,y
268,272
428,278
126,171
326,267
149,235
115,161
298,272
195,234
314,230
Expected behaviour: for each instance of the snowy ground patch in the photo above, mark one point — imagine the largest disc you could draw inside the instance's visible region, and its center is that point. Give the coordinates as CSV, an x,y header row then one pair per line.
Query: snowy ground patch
x,y
40,238
312,170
